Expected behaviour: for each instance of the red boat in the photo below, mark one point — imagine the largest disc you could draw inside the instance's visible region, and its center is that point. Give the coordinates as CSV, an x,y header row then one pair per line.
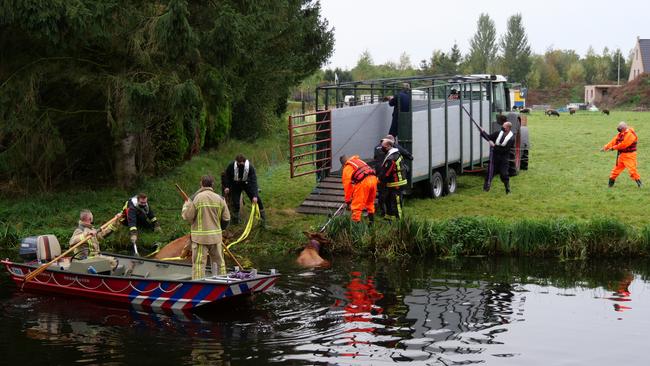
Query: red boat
x,y
141,283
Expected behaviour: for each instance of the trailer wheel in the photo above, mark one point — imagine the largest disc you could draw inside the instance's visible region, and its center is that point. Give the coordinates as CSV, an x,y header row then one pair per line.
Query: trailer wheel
x,y
451,182
436,185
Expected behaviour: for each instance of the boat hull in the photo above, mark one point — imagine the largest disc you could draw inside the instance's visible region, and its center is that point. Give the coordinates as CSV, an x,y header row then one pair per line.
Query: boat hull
x,y
140,293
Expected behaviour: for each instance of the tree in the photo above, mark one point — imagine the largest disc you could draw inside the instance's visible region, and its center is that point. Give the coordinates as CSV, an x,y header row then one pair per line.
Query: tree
x,y
516,50
100,91
483,46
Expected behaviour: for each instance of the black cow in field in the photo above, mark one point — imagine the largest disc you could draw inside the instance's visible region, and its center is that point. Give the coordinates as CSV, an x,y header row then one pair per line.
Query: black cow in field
x,y
606,111
524,111
552,112
572,111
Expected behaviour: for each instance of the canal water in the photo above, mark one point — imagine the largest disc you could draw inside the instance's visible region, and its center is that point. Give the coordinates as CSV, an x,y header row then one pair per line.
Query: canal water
x,y
438,312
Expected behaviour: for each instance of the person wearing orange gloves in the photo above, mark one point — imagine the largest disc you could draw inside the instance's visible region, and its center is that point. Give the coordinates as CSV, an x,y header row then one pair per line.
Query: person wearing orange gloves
x,y
625,145
360,186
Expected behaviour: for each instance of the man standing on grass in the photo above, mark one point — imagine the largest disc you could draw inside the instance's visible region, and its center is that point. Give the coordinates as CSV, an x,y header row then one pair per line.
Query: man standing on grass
x,y
625,145
208,214
360,187
501,142
240,177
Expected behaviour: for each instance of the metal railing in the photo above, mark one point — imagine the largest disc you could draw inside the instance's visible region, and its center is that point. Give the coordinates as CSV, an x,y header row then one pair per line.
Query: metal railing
x,y
310,143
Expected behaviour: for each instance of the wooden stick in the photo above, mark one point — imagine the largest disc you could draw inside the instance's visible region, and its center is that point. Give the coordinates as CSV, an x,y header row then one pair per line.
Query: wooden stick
x,y
232,256
182,193
43,267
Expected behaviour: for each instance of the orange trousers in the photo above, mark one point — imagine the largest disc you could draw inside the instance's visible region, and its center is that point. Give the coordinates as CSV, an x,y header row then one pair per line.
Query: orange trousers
x,y
363,197
625,160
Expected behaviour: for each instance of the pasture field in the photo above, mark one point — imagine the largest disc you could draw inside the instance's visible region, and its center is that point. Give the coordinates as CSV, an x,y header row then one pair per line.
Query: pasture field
x,y
567,176
556,206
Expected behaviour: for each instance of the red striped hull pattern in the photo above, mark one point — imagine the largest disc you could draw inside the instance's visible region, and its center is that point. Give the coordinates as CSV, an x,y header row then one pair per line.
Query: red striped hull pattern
x,y
142,294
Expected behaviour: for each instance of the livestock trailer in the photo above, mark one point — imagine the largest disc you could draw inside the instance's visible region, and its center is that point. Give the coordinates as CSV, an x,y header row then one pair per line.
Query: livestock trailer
x,y
440,126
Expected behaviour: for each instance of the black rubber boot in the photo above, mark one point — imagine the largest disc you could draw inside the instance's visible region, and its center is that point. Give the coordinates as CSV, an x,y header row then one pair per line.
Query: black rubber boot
x,y
371,219
639,183
611,182
235,219
507,188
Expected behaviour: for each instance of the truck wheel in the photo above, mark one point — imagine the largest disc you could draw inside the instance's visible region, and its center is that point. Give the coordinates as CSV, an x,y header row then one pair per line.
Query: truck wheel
x,y
436,185
450,182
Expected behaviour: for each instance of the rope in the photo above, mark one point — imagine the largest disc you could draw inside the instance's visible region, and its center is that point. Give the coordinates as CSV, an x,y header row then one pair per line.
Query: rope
x,y
52,278
255,214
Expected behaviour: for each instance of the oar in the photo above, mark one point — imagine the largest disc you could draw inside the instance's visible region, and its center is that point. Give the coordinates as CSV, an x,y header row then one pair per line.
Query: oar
x,y
332,217
43,267
187,198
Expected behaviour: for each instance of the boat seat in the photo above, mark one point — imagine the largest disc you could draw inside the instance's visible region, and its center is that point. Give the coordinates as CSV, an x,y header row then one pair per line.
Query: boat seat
x,y
47,248
119,270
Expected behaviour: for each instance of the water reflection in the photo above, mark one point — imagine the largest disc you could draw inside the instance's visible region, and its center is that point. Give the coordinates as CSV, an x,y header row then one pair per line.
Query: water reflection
x,y
499,312
622,293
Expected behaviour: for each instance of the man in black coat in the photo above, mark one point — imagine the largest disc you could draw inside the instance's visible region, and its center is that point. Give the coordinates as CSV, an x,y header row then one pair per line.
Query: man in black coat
x,y
240,177
501,143
401,102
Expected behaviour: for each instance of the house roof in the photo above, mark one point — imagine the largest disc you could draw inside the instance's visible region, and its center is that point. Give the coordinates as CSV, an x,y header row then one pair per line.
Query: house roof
x,y
644,45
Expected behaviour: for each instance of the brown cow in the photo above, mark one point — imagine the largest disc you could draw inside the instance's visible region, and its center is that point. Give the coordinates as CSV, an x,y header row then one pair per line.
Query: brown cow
x,y
606,111
572,111
309,256
181,247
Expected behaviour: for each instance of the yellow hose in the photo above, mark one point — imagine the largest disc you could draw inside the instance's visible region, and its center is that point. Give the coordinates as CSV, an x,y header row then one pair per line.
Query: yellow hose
x,y
255,214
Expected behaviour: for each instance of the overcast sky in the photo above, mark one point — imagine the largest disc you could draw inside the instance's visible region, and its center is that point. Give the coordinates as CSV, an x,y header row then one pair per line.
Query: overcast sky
x,y
417,27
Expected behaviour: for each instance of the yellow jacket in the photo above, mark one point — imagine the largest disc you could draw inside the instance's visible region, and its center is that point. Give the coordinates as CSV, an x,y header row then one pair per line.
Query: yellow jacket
x,y
205,212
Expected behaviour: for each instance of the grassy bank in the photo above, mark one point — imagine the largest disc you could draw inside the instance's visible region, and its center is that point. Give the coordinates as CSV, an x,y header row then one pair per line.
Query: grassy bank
x,y
561,206
476,235
58,213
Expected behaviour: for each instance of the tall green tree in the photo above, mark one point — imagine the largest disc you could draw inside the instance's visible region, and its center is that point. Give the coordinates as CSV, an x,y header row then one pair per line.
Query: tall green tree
x,y
483,46
113,90
516,50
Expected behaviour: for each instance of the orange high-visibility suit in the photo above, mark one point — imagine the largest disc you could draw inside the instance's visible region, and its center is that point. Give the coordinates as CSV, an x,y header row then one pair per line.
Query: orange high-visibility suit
x,y
360,186
625,143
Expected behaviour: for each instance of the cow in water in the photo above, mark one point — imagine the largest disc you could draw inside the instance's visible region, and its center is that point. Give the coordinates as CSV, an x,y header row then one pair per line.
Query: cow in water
x,y
310,255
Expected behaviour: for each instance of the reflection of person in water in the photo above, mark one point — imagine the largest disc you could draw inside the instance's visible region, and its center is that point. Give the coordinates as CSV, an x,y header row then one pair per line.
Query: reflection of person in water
x,y
362,296
622,292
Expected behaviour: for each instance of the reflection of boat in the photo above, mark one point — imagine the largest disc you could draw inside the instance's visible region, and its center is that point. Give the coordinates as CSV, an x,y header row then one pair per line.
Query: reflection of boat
x,y
141,283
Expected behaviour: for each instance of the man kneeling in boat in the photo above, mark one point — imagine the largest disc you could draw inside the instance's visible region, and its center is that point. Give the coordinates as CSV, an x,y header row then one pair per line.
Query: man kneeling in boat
x,y
208,213
85,228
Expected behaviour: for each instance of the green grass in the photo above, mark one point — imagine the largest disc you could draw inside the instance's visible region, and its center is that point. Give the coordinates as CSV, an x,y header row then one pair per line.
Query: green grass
x,y
567,176
58,213
561,206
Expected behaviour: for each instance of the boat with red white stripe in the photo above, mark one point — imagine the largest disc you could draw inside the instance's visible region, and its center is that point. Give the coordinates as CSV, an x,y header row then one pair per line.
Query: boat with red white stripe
x,y
144,284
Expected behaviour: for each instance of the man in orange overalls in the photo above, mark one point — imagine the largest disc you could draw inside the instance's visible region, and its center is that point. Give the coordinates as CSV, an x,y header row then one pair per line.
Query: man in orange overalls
x,y
360,186
625,144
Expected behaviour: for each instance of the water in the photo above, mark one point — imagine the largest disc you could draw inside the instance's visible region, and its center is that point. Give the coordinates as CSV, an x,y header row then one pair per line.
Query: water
x,y
442,312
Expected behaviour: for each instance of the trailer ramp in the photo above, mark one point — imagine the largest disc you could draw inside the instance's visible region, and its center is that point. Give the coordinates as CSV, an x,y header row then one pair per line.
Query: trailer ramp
x,y
326,198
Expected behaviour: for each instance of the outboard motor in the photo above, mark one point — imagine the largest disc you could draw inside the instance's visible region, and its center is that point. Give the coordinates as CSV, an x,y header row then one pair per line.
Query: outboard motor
x,y
28,248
